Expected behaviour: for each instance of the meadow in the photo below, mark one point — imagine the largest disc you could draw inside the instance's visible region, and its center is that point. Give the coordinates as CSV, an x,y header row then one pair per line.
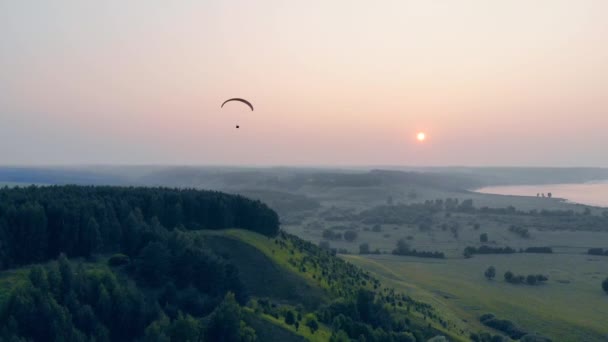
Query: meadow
x,y
570,307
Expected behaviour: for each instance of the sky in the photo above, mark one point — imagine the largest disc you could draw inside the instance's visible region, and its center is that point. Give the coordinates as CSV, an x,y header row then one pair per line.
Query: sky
x,y
491,83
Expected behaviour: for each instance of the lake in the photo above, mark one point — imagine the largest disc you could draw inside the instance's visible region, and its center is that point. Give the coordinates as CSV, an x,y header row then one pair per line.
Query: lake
x,y
595,193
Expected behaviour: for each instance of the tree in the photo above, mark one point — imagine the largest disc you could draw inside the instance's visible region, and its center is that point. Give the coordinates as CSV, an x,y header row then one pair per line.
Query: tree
x,y
531,279
402,247
350,235
483,237
311,323
90,238
364,248
605,285
185,328
508,276
490,273
153,263
225,321
290,318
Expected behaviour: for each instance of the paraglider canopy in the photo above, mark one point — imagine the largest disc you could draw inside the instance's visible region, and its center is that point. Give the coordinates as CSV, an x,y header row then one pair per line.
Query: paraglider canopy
x,y
239,100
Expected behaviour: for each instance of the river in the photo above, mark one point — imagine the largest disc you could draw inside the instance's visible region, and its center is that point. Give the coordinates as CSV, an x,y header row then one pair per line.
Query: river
x,y
595,193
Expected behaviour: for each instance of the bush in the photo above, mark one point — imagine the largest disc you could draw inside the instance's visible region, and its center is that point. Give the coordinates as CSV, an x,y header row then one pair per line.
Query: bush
x,y
530,279
331,235
364,248
290,318
350,235
503,325
490,273
118,260
522,232
596,251
312,324
605,285
483,237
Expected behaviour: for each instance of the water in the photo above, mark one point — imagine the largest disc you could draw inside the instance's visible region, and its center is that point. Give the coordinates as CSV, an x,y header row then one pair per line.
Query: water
x,y
595,193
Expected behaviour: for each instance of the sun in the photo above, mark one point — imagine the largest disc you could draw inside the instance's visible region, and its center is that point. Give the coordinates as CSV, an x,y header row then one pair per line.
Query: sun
x,y
421,136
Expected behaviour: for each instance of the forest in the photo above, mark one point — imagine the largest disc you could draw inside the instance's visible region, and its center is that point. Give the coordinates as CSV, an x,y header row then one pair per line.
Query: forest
x,y
134,264
39,223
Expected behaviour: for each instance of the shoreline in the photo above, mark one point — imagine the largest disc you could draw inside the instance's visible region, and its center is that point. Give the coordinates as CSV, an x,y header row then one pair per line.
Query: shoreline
x,y
594,194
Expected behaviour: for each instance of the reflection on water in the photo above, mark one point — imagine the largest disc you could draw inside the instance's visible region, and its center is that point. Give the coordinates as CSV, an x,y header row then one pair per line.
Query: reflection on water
x,y
588,193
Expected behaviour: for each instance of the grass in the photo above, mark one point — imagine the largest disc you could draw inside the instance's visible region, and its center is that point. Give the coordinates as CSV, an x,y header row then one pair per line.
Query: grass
x,y
281,257
322,334
570,307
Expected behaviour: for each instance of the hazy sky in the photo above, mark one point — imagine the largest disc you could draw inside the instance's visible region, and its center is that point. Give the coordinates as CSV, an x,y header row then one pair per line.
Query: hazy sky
x,y
333,82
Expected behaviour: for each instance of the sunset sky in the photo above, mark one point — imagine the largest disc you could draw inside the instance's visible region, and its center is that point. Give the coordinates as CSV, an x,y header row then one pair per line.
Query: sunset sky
x,y
510,82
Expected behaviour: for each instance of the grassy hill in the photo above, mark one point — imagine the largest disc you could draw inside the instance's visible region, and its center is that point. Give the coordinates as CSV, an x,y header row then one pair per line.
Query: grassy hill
x,y
281,274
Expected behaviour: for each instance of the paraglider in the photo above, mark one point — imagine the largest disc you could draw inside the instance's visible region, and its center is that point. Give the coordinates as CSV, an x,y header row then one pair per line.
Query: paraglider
x,y
239,100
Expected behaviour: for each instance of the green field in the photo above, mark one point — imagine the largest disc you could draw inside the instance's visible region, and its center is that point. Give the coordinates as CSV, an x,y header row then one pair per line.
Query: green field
x,y
570,307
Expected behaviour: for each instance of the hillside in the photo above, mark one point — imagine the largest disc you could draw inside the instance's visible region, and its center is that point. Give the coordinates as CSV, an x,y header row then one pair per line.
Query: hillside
x,y
138,269
279,275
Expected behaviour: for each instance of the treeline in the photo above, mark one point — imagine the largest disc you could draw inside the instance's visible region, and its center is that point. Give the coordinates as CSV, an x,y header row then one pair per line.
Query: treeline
x,y
597,251
403,248
469,251
506,326
39,223
531,279
422,214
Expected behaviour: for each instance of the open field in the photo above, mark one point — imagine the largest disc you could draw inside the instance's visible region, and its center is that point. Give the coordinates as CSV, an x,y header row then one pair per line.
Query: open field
x,y
570,307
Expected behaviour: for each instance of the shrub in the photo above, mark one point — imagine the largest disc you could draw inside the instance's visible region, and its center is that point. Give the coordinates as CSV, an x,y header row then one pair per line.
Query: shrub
x,y
483,237
605,285
290,318
596,251
364,248
503,325
331,235
521,231
118,260
490,273
312,324
350,235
